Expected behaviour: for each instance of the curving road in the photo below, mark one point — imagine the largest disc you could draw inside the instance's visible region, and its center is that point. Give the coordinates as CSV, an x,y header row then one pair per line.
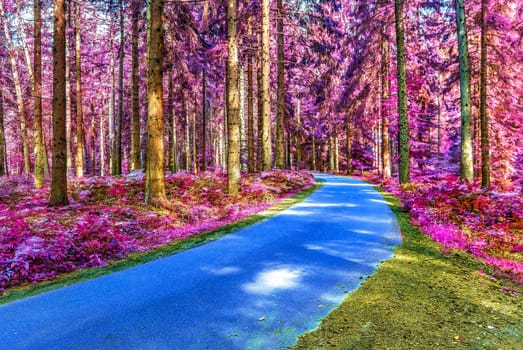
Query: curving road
x,y
258,288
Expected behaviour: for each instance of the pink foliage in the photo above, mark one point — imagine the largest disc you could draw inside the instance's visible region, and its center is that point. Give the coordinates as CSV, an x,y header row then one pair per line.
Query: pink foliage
x,y
107,220
461,216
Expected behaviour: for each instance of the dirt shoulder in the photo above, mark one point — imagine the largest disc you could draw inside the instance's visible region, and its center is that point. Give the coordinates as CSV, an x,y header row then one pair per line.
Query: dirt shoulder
x,y
424,299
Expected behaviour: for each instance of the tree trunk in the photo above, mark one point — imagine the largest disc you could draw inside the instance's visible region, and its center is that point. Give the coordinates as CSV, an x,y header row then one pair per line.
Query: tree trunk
x,y
251,161
3,169
259,157
485,142
102,144
299,152
59,177
403,135
117,150
204,121
40,154
313,160
80,138
187,136
18,92
348,140
68,124
385,88
280,118
136,162
467,164
233,102
265,86
154,180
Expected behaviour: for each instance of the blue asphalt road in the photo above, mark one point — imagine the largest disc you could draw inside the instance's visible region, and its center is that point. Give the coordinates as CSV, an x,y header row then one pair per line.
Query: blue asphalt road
x,y
258,288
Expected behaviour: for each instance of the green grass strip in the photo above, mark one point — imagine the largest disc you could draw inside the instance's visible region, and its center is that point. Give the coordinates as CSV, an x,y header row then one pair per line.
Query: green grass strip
x,y
424,299
135,259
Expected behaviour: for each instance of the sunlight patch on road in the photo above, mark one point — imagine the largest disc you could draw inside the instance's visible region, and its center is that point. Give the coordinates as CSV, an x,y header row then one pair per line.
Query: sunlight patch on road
x,y
276,279
221,271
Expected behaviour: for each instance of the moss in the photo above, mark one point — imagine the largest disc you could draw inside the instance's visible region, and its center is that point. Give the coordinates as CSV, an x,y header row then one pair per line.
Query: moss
x,y
163,251
424,299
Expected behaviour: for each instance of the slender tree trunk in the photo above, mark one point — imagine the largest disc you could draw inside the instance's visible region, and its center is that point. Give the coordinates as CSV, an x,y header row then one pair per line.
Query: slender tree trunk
x,y
136,162
211,137
403,137
193,138
259,158
265,86
18,91
80,138
485,142
280,118
233,101
111,104
251,161
102,144
68,109
204,121
40,156
117,146
336,154
155,174
313,160
59,177
385,88
299,152
187,136
348,145
467,164
3,169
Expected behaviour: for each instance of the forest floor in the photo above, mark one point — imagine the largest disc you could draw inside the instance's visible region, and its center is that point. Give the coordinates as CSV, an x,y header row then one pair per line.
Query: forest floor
x,y
425,297
107,225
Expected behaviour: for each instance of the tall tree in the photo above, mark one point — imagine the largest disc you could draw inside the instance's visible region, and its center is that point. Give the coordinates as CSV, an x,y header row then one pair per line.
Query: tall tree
x,y
59,177
117,145
251,162
80,138
280,118
40,154
136,162
403,135
155,173
385,148
3,169
265,87
204,120
467,164
484,120
233,101
18,91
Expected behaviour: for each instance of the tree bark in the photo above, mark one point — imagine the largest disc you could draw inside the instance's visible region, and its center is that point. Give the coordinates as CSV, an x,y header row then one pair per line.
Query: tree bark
x,y
136,162
21,30
251,161
80,138
403,135
3,168
117,146
204,121
40,154
265,88
483,113
154,180
348,135
18,92
385,88
59,177
467,164
233,101
280,118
